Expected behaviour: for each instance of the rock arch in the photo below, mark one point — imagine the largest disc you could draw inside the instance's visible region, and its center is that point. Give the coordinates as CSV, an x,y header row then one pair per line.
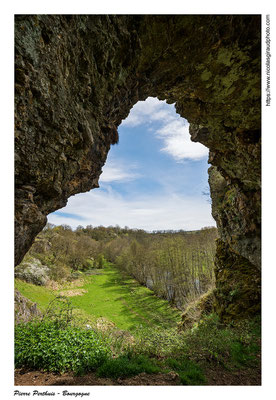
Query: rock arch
x,y
77,77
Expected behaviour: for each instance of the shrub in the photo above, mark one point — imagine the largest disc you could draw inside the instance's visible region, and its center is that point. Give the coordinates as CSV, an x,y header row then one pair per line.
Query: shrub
x,y
242,354
211,340
100,261
125,366
159,342
59,312
59,270
88,264
44,346
189,372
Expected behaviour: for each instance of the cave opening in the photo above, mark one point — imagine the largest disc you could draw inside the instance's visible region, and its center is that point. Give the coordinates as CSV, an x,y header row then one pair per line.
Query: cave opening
x,y
77,78
60,149
154,179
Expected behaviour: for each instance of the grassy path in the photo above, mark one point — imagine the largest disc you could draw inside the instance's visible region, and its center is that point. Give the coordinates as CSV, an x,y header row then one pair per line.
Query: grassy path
x,y
113,296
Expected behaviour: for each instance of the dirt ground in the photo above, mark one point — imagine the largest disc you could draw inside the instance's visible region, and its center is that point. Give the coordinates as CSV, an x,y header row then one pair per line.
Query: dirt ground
x,y
215,377
36,378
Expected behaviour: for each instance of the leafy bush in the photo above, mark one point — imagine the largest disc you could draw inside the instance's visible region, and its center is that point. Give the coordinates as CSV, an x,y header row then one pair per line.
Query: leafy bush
x,y
100,261
44,346
59,312
125,366
88,264
189,372
242,354
59,271
211,340
159,342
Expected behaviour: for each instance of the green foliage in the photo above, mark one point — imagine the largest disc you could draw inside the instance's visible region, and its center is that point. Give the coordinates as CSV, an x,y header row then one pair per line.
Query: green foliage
x,y
88,264
63,250
127,314
159,342
227,345
59,270
44,346
177,265
189,372
100,261
207,341
242,354
75,275
126,366
37,294
59,342
59,312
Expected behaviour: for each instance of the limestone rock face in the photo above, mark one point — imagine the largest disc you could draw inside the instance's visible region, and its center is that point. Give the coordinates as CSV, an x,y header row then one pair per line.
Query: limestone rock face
x,y
33,271
238,287
77,77
24,309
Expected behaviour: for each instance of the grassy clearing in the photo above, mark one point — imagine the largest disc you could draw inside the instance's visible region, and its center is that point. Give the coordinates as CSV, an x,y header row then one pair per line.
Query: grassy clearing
x,y
157,345
121,300
113,296
38,294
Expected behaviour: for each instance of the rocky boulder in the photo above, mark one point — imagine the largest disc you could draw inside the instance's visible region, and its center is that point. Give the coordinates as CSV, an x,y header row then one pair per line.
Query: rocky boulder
x,y
33,271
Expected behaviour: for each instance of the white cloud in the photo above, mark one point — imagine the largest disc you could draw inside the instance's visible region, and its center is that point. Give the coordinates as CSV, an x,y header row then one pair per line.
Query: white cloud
x,y
174,130
101,207
116,171
177,141
149,110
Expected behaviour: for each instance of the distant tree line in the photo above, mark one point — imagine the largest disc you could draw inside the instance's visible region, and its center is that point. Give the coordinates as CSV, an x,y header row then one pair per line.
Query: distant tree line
x,y
176,265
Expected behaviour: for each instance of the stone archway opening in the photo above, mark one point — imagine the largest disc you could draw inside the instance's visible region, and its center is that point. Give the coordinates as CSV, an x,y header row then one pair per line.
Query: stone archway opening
x,y
154,179
77,77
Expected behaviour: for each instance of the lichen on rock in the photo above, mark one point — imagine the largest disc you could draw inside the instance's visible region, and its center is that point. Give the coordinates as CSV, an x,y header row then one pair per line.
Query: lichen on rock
x,y
33,271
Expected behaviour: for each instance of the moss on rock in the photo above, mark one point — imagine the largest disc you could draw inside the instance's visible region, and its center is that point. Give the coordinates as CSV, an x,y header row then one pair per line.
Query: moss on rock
x,y
197,309
238,285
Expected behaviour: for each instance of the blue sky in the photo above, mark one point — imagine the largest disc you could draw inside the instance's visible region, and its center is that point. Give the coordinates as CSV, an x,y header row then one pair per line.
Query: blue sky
x,y
153,179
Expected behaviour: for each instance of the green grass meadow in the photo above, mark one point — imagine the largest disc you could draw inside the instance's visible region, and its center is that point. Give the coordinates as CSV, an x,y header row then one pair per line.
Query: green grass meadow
x,y
38,294
143,336
113,296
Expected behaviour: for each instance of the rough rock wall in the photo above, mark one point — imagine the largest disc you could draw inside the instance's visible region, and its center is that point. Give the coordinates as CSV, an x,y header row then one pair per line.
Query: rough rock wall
x,y
77,77
24,309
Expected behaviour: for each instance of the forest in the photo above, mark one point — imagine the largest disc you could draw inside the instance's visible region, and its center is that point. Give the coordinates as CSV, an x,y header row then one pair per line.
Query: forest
x,y
129,307
176,265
